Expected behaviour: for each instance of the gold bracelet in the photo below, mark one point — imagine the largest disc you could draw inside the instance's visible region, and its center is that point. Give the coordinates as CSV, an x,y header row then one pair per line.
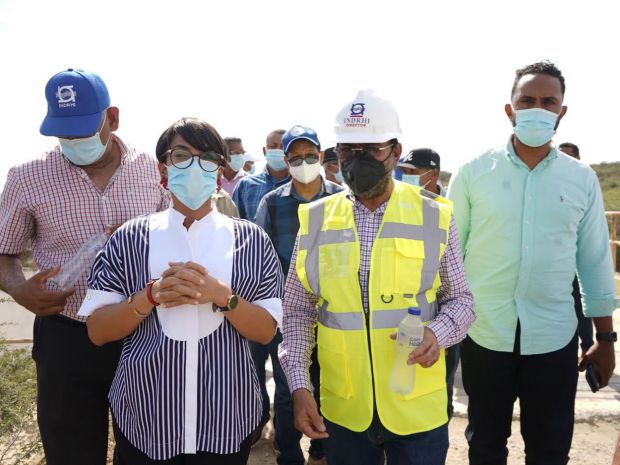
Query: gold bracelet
x,y
133,307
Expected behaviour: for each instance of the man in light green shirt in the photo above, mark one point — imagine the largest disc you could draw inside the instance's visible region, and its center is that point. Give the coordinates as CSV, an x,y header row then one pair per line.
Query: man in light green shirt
x,y
529,216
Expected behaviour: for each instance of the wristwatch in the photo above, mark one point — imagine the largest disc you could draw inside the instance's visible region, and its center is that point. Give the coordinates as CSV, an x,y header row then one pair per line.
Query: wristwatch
x,y
610,336
231,304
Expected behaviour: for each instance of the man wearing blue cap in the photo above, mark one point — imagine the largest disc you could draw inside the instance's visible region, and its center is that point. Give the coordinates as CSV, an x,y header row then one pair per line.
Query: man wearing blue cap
x,y
277,214
87,185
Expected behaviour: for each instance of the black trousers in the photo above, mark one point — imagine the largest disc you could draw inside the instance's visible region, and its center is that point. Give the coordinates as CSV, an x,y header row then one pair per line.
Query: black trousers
x,y
127,454
545,384
73,380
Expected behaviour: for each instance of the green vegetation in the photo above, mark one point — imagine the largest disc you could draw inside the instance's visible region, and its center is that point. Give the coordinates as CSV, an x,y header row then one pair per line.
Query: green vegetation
x,y
19,438
609,177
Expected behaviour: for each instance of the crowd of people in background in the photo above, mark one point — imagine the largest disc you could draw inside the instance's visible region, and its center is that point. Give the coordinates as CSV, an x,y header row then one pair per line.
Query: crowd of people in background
x,y
211,268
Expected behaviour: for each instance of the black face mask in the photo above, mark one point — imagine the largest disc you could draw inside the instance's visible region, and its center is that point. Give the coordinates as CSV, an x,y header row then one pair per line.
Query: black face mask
x,y
362,172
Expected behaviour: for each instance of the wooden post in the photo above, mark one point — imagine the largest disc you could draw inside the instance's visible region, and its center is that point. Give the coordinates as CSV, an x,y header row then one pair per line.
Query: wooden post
x,y
613,236
616,459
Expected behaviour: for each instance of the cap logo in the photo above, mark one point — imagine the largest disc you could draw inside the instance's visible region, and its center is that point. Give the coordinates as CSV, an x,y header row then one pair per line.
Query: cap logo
x,y
297,130
356,119
66,96
357,110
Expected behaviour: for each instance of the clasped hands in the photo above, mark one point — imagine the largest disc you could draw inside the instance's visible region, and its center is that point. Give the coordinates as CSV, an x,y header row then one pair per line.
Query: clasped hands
x,y
188,283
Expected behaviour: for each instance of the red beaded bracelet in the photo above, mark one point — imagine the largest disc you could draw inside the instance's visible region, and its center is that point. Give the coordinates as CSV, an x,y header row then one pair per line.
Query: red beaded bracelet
x,y
149,292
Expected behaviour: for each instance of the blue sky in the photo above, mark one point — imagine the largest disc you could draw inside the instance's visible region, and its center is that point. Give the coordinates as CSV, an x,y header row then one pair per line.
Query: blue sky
x,y
250,67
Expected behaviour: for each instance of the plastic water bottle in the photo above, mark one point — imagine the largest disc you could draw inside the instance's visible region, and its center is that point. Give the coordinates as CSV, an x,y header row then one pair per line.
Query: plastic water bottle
x,y
80,264
410,334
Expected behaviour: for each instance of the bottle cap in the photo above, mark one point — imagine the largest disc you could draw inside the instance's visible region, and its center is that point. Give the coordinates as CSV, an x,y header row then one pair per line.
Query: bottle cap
x,y
414,311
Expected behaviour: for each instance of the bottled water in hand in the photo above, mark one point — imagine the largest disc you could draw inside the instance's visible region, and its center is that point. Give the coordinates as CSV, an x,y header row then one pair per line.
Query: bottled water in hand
x,y
410,334
80,264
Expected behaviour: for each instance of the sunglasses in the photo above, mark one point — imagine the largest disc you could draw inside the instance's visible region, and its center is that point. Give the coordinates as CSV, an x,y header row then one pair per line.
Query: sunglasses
x,y
311,159
345,152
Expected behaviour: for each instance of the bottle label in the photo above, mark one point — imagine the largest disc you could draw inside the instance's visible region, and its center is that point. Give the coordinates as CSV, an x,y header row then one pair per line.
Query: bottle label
x,y
407,340
414,341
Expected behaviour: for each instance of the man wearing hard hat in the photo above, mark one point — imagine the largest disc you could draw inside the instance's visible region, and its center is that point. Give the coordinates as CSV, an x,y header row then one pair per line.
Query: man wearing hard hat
x,y
362,258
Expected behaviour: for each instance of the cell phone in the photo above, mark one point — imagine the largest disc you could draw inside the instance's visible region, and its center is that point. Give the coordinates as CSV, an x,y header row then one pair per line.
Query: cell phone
x,y
592,377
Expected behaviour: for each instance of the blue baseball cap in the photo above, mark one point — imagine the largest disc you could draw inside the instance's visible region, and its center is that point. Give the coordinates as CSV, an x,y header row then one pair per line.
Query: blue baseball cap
x,y
76,101
299,132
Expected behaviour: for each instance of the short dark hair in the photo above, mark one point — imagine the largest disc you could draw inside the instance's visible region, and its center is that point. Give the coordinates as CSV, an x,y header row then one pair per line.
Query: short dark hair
x,y
233,140
276,131
571,146
198,133
542,67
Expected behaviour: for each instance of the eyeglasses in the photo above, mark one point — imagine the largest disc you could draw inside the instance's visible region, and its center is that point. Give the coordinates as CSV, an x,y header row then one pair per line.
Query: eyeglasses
x,y
209,161
345,152
311,159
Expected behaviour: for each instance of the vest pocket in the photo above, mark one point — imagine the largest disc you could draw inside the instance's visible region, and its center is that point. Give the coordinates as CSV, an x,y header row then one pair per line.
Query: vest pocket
x,y
408,264
335,372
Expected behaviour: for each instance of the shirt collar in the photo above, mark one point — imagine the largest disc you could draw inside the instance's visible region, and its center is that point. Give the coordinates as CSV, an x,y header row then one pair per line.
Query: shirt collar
x,y
514,158
361,207
176,217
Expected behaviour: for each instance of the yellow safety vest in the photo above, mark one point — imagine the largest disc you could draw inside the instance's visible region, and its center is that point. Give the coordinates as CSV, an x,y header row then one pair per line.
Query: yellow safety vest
x,y
355,351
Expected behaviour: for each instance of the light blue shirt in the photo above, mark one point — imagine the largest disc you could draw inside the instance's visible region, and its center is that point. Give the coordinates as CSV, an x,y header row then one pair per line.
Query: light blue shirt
x,y
523,234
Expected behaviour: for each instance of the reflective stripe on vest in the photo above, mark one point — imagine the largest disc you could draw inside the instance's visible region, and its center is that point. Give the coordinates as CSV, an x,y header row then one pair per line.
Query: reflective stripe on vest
x,y
353,321
433,236
315,238
430,233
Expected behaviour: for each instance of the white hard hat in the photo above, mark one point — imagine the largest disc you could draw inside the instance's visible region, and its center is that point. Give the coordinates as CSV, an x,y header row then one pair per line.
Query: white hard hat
x,y
367,119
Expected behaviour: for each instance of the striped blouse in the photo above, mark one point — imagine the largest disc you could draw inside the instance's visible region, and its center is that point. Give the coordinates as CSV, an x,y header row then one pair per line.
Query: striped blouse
x,y
185,380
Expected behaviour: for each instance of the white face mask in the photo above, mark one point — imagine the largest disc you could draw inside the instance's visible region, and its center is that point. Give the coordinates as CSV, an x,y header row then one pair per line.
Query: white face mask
x,y
305,173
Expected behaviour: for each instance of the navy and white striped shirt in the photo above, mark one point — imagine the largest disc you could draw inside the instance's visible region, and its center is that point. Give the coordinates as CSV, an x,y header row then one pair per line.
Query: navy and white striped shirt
x,y
185,380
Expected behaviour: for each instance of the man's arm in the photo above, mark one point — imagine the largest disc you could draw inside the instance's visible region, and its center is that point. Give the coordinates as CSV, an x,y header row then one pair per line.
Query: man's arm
x,y
263,218
31,293
455,300
595,271
17,225
300,316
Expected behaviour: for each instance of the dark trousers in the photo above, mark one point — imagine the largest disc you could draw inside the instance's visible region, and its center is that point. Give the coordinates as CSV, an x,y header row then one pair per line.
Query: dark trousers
x,y
377,445
73,380
287,437
127,454
584,324
545,384
452,363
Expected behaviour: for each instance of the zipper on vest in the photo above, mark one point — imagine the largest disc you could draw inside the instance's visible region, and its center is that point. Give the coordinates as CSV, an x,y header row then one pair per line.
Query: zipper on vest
x,y
372,371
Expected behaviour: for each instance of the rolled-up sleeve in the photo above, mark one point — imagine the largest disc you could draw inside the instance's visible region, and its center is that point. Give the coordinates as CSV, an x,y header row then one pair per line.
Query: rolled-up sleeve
x,y
594,261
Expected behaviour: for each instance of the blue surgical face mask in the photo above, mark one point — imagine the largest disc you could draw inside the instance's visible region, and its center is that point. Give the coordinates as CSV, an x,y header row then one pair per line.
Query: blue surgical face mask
x,y
338,176
236,161
252,169
413,179
84,151
275,159
193,186
535,126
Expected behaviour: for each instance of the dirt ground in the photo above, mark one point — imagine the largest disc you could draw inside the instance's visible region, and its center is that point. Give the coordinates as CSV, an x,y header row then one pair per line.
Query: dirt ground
x,y
593,444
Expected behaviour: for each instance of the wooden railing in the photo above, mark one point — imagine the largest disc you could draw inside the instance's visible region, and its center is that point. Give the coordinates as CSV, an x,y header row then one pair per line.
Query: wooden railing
x,y
613,219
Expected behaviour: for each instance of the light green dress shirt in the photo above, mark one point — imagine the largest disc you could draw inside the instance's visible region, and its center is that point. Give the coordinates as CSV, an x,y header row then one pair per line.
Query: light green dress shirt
x,y
523,234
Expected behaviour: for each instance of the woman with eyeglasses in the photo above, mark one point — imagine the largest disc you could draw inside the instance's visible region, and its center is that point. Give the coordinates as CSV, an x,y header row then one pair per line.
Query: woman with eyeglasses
x,y
185,289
